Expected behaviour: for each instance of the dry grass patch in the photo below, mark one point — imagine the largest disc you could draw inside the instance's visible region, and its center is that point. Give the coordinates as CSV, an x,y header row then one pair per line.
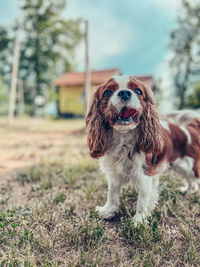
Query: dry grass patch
x,y
57,225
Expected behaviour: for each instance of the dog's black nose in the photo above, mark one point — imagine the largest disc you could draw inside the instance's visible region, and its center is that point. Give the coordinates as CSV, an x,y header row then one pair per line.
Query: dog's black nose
x,y
125,94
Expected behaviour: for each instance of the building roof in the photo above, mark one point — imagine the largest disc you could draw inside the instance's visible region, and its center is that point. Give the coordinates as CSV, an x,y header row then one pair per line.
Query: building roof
x,y
78,78
97,78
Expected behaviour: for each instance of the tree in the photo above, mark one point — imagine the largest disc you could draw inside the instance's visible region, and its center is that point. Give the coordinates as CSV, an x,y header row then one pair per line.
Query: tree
x,y
193,100
48,43
6,47
185,44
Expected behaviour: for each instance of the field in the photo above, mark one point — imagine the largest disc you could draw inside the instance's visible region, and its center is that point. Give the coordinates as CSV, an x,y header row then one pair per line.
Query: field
x,y
49,187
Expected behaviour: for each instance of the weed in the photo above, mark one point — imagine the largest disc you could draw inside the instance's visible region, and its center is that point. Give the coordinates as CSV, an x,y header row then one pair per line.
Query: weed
x,y
145,234
90,233
60,197
70,209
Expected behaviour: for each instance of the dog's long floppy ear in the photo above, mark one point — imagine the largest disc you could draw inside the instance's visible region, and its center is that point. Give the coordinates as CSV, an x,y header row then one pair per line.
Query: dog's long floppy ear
x,y
150,132
97,136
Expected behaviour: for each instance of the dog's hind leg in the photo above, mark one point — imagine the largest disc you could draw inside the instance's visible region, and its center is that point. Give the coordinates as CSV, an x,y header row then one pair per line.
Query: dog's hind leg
x,y
186,168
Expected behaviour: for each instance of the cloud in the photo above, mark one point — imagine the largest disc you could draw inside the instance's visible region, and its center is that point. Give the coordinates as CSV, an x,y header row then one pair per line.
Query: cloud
x,y
107,35
167,5
112,39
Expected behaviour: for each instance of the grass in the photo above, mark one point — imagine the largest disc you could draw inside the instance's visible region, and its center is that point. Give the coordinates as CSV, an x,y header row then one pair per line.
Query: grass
x,y
55,223
59,227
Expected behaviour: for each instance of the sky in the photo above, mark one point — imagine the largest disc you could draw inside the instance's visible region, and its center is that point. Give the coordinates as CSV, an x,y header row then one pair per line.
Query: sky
x,y
132,35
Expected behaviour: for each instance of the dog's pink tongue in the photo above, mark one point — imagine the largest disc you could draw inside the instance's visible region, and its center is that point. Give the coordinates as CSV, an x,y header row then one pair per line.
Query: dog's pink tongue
x,y
126,113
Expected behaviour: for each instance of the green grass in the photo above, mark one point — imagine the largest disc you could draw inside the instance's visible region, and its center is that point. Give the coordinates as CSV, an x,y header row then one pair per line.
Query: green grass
x,y
57,225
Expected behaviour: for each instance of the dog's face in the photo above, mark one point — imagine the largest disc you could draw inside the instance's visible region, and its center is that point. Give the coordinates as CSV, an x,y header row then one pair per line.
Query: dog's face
x,y
122,103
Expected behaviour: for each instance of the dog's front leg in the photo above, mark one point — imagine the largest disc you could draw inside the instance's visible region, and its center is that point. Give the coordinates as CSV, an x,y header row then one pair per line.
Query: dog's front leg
x,y
112,203
145,196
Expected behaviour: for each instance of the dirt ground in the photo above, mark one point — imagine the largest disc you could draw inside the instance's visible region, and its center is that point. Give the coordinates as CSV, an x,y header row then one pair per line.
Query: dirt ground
x,y
27,141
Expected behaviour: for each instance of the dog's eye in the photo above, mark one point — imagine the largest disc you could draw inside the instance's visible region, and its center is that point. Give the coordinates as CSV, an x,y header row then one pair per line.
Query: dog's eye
x,y
107,93
138,91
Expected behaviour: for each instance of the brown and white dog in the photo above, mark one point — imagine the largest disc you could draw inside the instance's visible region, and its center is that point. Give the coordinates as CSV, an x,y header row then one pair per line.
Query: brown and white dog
x,y
132,144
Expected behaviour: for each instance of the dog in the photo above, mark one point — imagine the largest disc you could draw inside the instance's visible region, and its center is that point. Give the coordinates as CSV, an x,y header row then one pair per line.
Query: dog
x,y
133,145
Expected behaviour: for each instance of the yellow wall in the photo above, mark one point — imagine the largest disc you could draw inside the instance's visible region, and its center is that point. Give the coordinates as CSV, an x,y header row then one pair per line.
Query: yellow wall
x,y
71,100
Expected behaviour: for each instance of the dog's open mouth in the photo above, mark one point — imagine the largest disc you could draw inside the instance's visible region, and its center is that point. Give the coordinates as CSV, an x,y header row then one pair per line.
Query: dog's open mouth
x,y
127,116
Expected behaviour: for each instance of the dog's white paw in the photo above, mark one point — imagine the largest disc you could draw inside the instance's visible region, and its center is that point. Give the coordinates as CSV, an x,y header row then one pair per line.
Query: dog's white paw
x,y
183,189
106,212
194,188
190,189
139,218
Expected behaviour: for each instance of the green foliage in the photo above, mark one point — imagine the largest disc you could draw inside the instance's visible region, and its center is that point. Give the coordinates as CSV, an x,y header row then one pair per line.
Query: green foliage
x,y
185,63
60,197
3,97
6,47
49,40
193,100
145,235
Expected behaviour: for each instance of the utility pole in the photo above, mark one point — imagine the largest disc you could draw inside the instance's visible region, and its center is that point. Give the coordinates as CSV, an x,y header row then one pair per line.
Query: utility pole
x,y
20,98
12,97
46,101
87,67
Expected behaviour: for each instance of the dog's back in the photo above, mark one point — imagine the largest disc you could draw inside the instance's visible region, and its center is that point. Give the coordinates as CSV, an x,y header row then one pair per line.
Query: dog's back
x,y
182,116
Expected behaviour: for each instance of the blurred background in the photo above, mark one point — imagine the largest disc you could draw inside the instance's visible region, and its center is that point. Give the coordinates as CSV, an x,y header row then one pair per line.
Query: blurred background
x,y
53,54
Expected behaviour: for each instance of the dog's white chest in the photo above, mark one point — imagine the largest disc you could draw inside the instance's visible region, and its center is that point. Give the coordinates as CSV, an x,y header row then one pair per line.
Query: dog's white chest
x,y
123,161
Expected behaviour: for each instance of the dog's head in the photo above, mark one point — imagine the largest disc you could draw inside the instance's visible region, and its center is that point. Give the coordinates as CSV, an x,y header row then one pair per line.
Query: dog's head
x,y
124,104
